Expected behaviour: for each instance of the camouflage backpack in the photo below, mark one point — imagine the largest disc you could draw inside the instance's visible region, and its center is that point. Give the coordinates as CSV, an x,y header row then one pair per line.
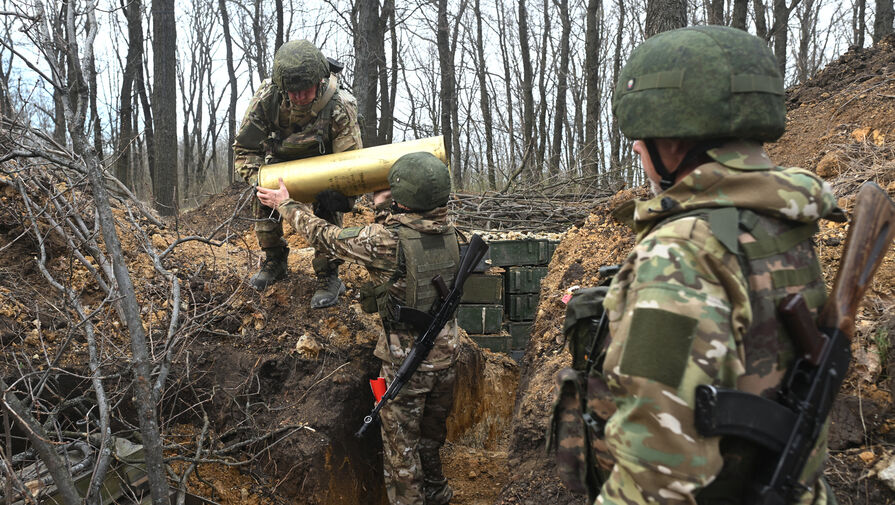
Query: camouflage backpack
x,y
583,402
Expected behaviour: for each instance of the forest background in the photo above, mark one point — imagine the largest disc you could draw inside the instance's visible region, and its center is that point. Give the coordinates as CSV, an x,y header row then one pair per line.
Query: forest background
x,y
520,89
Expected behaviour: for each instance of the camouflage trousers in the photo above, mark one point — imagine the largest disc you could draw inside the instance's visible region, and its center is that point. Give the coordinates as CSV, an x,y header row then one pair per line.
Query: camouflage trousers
x,y
269,231
413,431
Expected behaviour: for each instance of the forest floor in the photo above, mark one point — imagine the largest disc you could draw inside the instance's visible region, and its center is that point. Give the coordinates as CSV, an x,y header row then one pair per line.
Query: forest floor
x,y
267,362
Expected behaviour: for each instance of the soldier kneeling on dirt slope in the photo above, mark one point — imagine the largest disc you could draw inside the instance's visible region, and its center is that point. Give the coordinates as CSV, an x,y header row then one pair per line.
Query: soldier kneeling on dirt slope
x,y
726,237
409,243
303,111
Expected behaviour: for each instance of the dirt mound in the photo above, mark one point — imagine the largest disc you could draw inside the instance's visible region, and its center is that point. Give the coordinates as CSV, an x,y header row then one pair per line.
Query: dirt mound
x,y
840,125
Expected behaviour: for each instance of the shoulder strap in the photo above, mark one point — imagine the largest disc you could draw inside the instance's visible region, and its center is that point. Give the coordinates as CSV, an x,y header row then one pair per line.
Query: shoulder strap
x,y
327,95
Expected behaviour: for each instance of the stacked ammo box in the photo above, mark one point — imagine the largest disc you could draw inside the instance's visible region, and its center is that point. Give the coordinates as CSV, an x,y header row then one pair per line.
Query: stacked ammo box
x,y
497,309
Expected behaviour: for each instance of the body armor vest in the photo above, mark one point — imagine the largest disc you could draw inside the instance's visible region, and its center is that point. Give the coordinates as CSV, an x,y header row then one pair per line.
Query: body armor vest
x,y
421,256
777,258
299,139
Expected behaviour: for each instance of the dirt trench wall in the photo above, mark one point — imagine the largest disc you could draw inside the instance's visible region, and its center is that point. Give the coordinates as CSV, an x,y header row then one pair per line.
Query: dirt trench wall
x,y
326,397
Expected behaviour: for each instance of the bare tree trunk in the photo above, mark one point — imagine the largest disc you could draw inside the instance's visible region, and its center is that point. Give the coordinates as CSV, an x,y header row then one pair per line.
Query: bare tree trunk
x,y
448,94
528,113
664,15
260,41
386,120
592,64
278,41
559,117
164,96
882,24
507,79
740,12
484,99
761,23
231,73
148,128
540,159
806,59
133,13
859,22
366,71
615,135
716,12
780,32
94,110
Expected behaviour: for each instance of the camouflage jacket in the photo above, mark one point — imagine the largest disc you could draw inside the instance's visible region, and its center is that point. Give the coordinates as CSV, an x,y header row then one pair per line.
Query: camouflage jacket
x,y
680,315
375,247
250,149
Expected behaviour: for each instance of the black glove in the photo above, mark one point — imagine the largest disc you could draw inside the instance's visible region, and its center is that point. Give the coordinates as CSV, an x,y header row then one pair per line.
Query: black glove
x,y
330,201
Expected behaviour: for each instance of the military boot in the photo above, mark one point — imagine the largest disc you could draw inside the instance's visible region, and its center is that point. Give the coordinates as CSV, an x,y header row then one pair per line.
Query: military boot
x,y
272,269
329,286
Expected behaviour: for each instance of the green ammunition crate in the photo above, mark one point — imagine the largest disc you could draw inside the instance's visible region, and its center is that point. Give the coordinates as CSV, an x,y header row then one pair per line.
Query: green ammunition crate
x,y
497,343
480,318
520,333
522,307
521,252
481,288
524,279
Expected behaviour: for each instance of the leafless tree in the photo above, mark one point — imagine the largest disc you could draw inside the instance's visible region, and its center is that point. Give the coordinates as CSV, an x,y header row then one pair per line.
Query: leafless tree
x,y
133,13
529,142
484,99
882,23
780,31
234,92
164,106
859,22
592,66
739,14
664,15
559,118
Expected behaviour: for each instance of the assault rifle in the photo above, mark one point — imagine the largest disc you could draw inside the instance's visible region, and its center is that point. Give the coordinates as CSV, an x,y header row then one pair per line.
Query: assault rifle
x,y
790,426
430,324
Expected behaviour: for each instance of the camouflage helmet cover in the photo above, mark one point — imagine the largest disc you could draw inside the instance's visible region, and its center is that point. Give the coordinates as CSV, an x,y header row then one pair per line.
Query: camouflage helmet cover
x,y
297,65
420,181
699,83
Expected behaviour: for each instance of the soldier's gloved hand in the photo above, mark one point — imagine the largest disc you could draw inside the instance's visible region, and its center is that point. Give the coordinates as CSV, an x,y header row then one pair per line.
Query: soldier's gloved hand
x,y
330,201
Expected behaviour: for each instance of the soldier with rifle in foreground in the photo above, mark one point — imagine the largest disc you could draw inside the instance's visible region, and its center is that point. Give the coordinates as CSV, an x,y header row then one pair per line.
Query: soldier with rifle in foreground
x,y
410,243
703,392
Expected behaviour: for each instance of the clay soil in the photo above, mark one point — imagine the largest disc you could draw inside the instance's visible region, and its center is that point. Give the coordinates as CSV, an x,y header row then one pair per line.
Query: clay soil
x,y
290,382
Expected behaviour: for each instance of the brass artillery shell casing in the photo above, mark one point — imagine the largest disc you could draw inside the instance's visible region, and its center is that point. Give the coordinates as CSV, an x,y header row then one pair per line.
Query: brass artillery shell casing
x,y
351,172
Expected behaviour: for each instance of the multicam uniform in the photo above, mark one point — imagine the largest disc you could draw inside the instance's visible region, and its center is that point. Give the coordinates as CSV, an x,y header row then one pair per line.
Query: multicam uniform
x,y
694,303
274,130
413,424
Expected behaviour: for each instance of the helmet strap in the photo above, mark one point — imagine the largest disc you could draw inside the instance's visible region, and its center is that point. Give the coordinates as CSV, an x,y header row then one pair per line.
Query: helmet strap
x,y
667,178
693,155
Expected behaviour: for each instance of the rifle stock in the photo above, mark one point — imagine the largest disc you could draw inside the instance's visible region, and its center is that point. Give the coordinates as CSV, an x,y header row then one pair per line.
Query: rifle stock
x,y
869,237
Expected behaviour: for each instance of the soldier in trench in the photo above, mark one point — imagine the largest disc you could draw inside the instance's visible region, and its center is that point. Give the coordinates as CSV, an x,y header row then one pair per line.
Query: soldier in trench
x,y
301,112
410,242
727,235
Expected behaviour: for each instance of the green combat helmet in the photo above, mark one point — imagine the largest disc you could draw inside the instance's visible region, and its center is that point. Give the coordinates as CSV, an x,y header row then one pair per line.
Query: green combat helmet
x,y
298,65
702,83
420,181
